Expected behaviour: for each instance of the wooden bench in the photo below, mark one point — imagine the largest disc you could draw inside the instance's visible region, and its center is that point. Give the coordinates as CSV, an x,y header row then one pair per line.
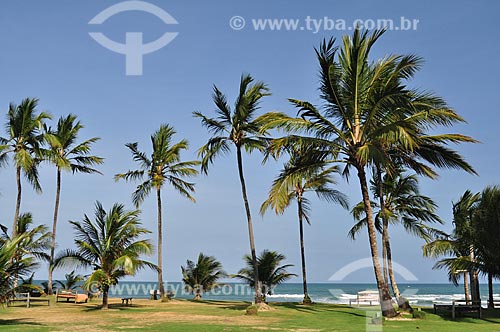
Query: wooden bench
x,y
26,297
71,295
459,307
366,298
126,300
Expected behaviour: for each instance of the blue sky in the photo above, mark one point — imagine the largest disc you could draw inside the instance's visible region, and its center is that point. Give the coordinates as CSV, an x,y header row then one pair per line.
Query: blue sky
x,y
47,53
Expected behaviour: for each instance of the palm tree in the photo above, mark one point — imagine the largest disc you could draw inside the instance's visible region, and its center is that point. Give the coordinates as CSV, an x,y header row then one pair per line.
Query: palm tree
x,y
110,245
67,154
23,141
403,204
71,281
368,112
239,128
202,276
11,268
459,246
306,171
486,240
271,272
164,166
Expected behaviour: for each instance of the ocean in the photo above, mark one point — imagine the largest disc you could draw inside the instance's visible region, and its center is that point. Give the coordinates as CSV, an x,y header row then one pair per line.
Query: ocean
x,y
338,293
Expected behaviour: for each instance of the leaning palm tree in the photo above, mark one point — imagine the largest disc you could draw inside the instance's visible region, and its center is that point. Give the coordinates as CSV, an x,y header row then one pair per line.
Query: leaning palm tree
x,y
271,272
66,154
306,171
367,112
164,166
236,127
110,245
23,141
202,276
403,204
71,281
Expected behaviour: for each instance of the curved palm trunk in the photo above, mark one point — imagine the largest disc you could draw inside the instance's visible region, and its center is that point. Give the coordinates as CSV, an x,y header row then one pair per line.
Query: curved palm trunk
x,y
160,245
258,294
18,201
53,235
383,288
466,287
491,304
307,299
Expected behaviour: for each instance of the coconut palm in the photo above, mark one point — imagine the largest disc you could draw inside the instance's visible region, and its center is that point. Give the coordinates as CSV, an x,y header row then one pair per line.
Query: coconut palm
x,y
236,127
306,171
66,154
367,113
110,245
23,141
459,246
11,268
271,272
163,167
403,204
72,281
202,276
486,240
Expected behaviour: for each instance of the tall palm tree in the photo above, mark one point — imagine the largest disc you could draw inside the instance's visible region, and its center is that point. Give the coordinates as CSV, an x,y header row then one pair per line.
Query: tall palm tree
x,y
403,204
23,141
66,154
368,112
306,171
236,127
202,276
164,166
110,245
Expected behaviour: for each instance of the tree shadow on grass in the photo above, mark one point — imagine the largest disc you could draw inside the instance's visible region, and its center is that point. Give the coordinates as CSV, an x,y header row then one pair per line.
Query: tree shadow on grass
x,y
224,304
18,321
114,306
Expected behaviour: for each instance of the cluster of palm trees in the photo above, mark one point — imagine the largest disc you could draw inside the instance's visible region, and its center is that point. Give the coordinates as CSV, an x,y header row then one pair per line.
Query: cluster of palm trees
x,y
369,122
473,246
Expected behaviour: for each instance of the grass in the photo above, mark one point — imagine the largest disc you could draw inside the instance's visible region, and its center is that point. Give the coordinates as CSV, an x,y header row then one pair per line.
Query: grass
x,y
212,316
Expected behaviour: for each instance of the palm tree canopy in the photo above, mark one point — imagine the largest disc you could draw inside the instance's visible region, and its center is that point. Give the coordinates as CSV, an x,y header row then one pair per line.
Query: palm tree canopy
x,y
202,275
238,125
164,166
307,170
271,272
71,281
64,150
404,204
109,244
24,138
368,110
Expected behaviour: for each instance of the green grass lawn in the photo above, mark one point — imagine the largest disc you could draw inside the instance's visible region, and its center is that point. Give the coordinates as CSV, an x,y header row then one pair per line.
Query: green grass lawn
x,y
210,316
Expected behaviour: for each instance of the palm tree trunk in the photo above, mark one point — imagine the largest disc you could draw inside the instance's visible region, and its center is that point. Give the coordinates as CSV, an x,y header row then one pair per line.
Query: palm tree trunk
x,y
105,298
383,288
466,286
307,299
258,295
18,201
392,278
474,280
491,304
53,235
160,245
